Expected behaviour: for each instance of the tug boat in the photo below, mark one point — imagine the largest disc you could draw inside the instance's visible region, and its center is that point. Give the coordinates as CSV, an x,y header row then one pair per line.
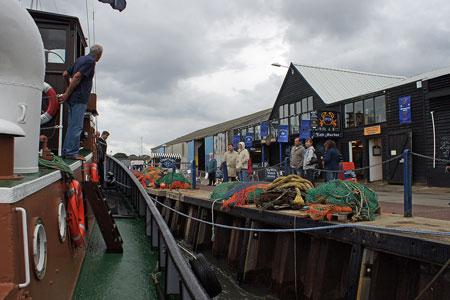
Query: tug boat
x,y
40,255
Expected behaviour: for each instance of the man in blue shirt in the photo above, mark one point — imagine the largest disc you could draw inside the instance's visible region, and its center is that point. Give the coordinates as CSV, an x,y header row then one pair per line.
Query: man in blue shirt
x,y
76,97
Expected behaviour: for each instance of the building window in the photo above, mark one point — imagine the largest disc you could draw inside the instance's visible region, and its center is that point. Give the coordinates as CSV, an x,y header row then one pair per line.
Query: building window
x,y
380,109
294,125
304,105
243,132
310,103
281,112
273,128
257,132
284,121
286,110
359,113
298,107
292,109
369,117
349,116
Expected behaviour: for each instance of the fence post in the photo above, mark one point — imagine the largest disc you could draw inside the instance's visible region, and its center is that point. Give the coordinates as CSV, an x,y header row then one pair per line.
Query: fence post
x,y
407,183
194,175
287,166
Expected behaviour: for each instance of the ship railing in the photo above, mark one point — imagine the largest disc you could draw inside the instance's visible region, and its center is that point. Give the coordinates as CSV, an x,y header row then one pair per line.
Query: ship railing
x,y
179,277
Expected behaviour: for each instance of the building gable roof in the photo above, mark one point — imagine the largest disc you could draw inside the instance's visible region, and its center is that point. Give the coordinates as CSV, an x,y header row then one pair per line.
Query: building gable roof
x,y
334,85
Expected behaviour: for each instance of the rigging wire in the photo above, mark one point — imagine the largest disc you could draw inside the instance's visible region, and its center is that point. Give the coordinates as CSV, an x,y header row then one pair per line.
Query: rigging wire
x,y
87,19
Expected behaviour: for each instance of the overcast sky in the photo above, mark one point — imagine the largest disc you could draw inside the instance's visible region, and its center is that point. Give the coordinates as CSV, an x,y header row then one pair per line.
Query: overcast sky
x,y
172,67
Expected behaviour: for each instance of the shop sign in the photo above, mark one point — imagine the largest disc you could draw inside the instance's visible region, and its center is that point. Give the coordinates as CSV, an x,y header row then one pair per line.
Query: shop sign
x,y
167,162
271,173
283,134
249,139
305,129
264,129
236,140
404,110
372,130
325,124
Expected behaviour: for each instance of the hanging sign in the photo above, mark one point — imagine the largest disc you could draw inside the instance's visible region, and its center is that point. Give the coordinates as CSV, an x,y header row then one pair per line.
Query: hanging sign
x,y
305,129
314,118
264,129
236,140
249,139
271,173
404,110
325,124
372,130
283,134
167,162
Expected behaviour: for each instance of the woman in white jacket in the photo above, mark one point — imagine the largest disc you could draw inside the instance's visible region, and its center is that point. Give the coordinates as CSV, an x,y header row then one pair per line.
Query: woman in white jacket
x,y
242,162
309,154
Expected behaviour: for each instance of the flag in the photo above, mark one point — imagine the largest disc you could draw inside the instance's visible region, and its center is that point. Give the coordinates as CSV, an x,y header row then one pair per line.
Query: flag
x,y
116,4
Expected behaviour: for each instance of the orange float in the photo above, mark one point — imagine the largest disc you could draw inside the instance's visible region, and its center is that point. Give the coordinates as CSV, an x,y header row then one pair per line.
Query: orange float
x,y
75,213
94,173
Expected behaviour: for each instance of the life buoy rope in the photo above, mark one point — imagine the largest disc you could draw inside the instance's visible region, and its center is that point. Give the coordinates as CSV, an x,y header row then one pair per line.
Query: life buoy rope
x,y
52,104
76,213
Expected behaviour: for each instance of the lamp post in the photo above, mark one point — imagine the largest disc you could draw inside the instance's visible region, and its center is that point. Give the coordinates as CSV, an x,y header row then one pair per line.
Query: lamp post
x,y
283,66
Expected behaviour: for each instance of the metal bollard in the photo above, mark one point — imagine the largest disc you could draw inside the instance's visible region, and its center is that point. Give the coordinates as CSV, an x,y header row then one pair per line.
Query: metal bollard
x,y
287,167
407,183
194,175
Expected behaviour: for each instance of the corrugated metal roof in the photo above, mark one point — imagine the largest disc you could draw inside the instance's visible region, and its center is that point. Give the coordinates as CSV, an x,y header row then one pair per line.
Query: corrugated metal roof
x,y
333,85
423,77
257,117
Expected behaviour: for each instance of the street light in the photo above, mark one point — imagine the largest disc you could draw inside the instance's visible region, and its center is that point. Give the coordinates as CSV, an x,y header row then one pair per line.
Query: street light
x,y
278,66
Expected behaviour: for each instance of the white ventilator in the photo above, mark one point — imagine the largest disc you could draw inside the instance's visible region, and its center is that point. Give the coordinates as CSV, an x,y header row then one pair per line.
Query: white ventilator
x,y
22,67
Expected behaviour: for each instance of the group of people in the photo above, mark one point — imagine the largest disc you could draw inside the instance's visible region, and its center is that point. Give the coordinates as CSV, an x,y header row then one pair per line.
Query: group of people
x,y
238,164
304,160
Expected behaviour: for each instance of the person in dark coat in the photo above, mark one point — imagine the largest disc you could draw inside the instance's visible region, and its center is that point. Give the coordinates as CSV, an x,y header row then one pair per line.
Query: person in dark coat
x,y
101,155
211,168
331,160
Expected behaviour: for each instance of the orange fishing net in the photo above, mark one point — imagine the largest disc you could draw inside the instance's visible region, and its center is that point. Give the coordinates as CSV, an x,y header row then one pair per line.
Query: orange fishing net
x,y
319,211
244,196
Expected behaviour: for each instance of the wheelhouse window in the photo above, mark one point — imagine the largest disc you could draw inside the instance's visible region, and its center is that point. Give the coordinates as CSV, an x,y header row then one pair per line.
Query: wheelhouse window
x,y
380,109
349,116
55,45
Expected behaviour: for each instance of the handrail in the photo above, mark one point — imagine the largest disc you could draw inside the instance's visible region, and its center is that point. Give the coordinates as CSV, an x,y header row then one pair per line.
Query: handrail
x,y
25,247
193,286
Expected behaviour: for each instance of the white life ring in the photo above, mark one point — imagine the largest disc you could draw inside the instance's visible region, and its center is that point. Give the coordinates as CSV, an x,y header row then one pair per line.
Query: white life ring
x,y
52,103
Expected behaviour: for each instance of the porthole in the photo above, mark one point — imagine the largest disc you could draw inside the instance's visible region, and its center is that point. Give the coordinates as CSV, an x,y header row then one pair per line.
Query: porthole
x,y
62,222
39,249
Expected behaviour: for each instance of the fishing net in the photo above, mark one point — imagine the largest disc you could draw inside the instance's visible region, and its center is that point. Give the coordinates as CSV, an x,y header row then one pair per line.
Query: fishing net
x,y
247,194
221,189
319,211
174,181
363,201
237,188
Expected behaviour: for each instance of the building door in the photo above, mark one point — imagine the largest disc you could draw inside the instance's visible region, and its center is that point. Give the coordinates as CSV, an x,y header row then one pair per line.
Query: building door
x,y
357,156
397,143
376,172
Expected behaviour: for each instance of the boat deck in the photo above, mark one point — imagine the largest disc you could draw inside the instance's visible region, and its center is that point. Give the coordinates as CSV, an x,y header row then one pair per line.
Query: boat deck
x,y
118,276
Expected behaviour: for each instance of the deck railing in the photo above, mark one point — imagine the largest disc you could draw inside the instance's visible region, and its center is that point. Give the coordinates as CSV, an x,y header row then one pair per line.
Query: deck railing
x,y
180,279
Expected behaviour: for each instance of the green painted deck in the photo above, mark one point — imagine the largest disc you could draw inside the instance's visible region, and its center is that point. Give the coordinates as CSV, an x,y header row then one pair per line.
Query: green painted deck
x,y
118,276
42,172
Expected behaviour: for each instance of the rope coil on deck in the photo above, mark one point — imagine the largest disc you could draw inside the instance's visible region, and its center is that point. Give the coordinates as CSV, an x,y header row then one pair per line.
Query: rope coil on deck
x,y
306,229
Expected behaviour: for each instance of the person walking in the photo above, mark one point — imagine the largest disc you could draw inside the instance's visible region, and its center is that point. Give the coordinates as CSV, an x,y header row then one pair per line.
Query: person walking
x,y
78,78
230,158
297,156
211,168
331,161
101,154
242,162
308,162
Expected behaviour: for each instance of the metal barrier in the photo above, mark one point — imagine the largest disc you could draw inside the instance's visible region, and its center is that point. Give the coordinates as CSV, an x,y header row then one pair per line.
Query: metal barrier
x,y
180,280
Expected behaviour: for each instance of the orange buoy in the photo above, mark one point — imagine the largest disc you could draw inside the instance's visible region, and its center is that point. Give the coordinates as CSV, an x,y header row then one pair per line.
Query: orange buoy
x,y
163,185
94,173
75,214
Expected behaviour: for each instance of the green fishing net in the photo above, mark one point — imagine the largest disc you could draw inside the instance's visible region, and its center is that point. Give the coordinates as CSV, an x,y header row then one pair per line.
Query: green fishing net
x,y
221,189
362,200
